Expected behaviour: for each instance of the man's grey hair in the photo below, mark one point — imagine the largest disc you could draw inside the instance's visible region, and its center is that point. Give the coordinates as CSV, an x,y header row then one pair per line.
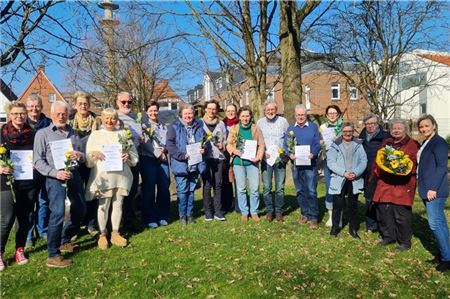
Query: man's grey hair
x,y
34,98
267,102
369,116
347,124
123,94
60,104
400,121
300,106
186,106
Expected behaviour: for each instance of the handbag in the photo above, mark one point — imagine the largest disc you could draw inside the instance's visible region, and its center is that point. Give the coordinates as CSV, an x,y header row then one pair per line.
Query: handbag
x,y
231,176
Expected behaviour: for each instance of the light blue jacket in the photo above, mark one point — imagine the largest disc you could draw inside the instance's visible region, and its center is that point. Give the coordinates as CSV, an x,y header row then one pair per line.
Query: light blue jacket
x,y
336,163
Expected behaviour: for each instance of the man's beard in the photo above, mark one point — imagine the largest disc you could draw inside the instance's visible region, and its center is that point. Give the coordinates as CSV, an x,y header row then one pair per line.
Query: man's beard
x,y
125,110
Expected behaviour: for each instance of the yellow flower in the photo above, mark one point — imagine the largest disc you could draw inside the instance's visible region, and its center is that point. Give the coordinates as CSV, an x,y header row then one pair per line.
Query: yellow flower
x,y
68,154
406,157
3,150
394,164
280,151
398,153
149,130
291,133
208,133
404,162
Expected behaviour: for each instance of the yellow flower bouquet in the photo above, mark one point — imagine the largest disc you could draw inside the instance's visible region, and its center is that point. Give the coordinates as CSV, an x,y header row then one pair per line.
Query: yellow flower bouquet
x,y
394,161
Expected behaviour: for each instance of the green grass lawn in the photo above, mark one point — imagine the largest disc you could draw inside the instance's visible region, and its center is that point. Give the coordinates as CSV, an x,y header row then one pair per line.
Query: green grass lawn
x,y
237,260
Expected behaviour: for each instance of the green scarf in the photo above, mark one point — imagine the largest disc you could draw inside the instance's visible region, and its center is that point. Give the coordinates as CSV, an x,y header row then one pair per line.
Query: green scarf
x,y
337,126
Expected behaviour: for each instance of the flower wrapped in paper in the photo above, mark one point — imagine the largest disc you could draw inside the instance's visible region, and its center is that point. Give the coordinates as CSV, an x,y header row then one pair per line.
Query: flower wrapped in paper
x,y
394,161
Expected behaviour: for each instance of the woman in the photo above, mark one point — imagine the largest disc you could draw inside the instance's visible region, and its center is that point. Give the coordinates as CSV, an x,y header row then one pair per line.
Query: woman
x,y
37,120
246,169
433,184
330,130
229,202
394,194
84,122
347,161
154,169
110,187
214,155
185,131
16,135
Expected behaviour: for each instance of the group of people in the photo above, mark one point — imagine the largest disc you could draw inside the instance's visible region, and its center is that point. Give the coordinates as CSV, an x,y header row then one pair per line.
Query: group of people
x,y
223,153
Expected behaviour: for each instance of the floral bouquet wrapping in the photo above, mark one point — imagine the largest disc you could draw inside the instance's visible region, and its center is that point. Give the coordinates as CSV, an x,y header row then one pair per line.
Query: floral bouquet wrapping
x,y
394,161
126,140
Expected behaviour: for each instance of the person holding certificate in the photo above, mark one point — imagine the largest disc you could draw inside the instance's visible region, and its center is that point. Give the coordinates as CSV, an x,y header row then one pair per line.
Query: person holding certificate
x,y
347,161
330,130
111,178
57,152
214,154
246,145
184,140
305,148
273,128
17,139
154,169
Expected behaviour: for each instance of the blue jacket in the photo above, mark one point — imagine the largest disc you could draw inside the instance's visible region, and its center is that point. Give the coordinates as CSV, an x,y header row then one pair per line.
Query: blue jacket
x,y
433,169
336,163
176,146
308,135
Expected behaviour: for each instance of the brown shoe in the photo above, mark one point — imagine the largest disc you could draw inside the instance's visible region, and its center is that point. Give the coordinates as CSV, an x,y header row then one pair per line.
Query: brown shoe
x,y
102,242
303,220
269,217
244,218
118,240
314,225
58,262
68,247
255,217
279,217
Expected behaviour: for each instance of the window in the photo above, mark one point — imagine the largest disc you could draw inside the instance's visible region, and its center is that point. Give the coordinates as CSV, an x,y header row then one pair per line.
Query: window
x,y
353,92
413,80
423,108
173,106
219,83
270,94
163,106
52,97
307,97
335,91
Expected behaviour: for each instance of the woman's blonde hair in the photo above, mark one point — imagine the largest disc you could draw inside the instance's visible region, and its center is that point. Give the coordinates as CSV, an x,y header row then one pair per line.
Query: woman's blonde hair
x,y
15,104
110,112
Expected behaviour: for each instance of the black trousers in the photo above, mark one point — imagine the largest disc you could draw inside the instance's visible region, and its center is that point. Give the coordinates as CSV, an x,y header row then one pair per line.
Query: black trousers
x,y
129,202
395,222
339,204
229,201
212,179
9,211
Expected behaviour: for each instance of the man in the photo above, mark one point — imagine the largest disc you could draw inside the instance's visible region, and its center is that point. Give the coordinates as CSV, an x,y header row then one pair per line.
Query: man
x,y
372,136
273,128
37,120
58,181
305,133
124,108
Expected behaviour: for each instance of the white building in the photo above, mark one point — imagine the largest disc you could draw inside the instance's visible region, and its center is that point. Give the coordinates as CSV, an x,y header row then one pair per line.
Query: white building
x,y
6,96
424,87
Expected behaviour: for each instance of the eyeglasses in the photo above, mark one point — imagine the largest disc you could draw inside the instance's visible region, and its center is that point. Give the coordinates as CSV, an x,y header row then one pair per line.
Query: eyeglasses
x,y
19,114
371,124
126,102
332,113
347,131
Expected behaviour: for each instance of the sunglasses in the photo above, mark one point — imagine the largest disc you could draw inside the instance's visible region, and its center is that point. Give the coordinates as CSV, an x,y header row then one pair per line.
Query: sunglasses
x,y
126,102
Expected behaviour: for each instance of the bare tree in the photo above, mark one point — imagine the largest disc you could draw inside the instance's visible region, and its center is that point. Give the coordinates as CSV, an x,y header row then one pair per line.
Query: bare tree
x,y
369,39
32,32
291,21
239,31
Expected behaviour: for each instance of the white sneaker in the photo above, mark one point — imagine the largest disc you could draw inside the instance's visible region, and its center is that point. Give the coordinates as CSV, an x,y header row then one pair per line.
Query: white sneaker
x,y
152,225
330,219
163,222
2,264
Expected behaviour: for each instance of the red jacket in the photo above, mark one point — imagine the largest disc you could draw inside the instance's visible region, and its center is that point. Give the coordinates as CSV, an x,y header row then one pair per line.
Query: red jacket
x,y
397,189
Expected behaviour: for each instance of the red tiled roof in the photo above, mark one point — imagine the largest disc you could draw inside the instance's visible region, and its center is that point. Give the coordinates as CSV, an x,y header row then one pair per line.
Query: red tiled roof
x,y
437,58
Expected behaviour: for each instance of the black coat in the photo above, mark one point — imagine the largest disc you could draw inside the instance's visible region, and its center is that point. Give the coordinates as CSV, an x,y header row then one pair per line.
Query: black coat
x,y
371,147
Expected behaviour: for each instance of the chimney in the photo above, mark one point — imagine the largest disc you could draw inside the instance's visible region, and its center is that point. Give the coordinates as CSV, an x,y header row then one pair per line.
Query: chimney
x,y
41,67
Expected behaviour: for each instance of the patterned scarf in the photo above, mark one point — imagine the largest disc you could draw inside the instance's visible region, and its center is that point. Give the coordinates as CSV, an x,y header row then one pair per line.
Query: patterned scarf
x,y
13,136
84,126
337,126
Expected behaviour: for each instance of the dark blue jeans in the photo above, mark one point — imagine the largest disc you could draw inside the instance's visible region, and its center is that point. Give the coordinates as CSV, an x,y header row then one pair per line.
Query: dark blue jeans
x,y
306,177
57,234
39,215
278,171
185,192
155,176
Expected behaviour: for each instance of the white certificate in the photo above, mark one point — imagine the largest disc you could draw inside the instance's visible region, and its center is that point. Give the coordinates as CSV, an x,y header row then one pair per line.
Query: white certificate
x,y
328,137
302,153
193,150
23,165
59,149
249,149
272,150
113,157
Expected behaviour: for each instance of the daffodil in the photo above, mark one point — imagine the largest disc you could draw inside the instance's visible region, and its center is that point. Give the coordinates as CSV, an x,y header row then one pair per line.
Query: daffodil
x,y
280,151
3,150
68,154
394,164
291,133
